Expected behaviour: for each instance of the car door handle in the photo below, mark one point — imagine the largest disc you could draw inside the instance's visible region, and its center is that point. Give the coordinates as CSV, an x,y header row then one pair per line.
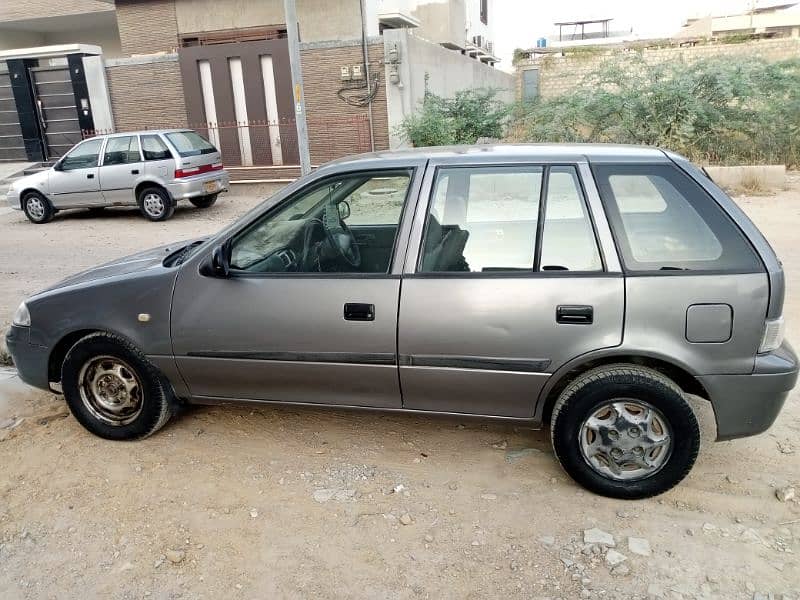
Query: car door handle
x,y
574,314
134,171
90,176
356,311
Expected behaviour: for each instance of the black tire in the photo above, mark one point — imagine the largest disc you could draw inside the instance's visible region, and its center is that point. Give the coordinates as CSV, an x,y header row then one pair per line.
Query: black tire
x,y
37,208
155,398
204,201
152,208
589,392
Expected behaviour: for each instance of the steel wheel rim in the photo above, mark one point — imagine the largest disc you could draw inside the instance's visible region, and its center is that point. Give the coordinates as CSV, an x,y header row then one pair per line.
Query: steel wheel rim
x,y
111,390
626,440
153,204
35,207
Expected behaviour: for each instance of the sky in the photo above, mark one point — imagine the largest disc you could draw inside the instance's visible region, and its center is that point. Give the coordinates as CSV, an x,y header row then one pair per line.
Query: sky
x,y
519,23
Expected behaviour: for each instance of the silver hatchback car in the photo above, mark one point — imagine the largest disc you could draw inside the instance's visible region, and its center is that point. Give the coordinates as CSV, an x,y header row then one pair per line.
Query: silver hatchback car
x,y
589,287
148,169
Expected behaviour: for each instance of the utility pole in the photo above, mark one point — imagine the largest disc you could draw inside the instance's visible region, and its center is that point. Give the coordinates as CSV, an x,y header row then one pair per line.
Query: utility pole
x,y
293,35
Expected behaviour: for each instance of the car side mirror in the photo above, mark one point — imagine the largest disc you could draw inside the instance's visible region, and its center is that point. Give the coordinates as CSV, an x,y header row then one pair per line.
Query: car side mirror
x,y
221,260
344,209
58,166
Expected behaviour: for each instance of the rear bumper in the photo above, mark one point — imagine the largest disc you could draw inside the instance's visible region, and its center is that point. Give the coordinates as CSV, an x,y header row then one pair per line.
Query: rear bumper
x,y
30,360
747,405
193,187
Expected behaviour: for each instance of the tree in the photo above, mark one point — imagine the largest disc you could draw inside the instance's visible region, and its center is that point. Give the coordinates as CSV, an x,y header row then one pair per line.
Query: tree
x,y
462,119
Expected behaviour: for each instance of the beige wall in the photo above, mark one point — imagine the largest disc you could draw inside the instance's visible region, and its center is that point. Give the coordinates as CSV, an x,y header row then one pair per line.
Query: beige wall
x,y
320,20
20,39
147,27
442,21
23,10
560,74
107,39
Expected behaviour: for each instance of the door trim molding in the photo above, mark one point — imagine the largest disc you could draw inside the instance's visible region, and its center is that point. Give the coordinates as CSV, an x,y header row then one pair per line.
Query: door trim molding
x,y
484,363
366,358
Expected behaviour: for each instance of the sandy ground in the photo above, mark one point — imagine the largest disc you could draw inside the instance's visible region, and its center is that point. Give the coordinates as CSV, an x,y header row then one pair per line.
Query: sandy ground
x,y
286,503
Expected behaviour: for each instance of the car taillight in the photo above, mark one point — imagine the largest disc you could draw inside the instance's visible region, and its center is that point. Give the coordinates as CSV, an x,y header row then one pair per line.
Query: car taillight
x,y
189,171
773,335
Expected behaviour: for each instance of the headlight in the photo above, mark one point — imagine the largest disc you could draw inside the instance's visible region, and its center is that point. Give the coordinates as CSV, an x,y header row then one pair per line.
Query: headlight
x,y
22,318
773,335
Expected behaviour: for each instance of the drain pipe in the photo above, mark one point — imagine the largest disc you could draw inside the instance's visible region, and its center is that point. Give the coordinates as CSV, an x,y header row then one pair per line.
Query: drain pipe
x,y
365,51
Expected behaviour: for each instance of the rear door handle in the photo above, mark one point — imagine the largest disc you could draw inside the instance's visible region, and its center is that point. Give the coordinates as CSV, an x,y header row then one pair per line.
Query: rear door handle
x,y
135,172
90,176
357,311
570,314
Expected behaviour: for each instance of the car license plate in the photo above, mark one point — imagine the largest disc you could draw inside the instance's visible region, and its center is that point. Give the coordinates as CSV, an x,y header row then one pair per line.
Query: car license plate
x,y
210,186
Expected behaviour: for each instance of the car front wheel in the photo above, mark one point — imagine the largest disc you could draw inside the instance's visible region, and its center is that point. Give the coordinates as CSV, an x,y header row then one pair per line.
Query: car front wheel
x,y
204,201
113,390
625,431
155,204
37,208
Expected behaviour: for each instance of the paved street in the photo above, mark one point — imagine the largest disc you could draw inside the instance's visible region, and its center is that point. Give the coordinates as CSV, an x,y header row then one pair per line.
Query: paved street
x,y
279,502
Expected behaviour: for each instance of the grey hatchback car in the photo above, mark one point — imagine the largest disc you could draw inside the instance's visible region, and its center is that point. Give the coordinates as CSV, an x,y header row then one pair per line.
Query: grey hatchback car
x,y
585,286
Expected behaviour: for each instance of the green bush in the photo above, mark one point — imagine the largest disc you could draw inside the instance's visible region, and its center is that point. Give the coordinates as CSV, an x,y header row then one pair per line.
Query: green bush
x,y
719,111
462,119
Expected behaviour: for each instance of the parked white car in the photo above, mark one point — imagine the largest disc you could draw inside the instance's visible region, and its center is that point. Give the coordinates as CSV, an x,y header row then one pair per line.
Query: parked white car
x,y
149,169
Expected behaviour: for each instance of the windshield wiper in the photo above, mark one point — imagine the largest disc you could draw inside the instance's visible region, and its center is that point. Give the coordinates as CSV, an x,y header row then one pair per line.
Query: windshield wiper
x,y
181,255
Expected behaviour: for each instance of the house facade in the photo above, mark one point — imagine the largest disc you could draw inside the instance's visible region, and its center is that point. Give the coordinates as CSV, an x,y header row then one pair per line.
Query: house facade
x,y
69,68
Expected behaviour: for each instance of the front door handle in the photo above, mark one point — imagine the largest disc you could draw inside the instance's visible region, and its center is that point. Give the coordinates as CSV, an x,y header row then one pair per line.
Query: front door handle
x,y
571,314
357,311
90,176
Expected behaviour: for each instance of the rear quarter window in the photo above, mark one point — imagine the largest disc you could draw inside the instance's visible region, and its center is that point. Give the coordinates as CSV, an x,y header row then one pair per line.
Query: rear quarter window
x,y
664,221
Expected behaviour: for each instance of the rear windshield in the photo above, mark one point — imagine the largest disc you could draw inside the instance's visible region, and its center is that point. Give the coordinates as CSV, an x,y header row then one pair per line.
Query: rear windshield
x,y
188,143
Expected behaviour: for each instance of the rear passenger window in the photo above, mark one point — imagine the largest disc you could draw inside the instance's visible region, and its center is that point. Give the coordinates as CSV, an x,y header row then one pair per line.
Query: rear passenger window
x,y
663,220
154,149
483,219
121,151
568,241
486,219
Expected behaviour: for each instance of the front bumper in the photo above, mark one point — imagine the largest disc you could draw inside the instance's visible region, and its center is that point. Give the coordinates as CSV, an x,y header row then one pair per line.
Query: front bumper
x,y
193,187
747,405
29,359
12,198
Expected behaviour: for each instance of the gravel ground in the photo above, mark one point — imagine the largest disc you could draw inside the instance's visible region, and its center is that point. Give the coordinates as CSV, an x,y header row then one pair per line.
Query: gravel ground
x,y
282,502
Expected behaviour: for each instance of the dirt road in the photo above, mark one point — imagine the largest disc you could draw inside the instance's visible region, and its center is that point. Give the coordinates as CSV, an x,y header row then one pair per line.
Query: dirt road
x,y
275,502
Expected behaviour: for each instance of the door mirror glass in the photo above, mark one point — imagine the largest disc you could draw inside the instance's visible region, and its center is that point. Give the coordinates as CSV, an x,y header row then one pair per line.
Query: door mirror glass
x,y
344,210
221,260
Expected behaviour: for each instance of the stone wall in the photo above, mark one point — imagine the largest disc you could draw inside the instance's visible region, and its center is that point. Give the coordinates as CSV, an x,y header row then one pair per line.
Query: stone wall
x,y
559,74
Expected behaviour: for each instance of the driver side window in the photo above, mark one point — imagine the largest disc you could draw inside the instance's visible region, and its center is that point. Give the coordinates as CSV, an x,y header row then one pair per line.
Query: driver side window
x,y
82,156
344,224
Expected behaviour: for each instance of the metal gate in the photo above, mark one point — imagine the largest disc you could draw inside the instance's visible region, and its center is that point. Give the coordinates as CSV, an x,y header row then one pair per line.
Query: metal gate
x,y
55,104
12,145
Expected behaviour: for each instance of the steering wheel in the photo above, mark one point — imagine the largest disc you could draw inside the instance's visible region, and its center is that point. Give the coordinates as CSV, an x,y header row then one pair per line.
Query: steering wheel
x,y
340,239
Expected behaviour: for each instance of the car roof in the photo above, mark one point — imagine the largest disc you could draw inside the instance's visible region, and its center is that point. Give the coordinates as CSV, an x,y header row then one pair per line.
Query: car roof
x,y
144,132
493,152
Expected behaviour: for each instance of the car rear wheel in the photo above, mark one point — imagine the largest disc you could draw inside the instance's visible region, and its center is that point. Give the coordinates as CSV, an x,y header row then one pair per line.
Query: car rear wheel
x,y
37,208
155,204
625,431
204,201
113,390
